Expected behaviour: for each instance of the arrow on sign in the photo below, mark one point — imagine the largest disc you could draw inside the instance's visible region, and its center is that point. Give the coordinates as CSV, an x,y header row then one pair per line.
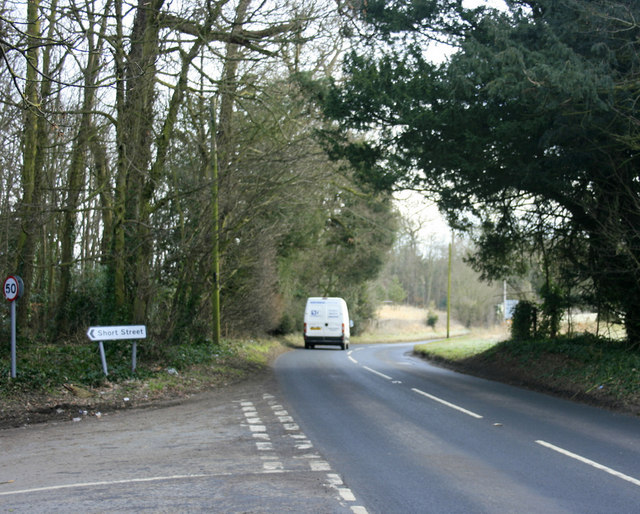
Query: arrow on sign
x,y
117,332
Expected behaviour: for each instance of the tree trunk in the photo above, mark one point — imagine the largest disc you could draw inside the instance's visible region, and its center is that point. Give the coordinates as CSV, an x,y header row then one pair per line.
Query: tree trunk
x,y
30,201
76,180
135,128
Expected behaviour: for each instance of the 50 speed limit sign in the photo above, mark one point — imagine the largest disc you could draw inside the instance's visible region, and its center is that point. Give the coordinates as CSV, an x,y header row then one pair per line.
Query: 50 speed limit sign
x,y
12,288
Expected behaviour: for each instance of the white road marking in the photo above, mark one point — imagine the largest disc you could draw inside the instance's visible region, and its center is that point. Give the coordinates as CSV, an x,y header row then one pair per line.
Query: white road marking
x,y
592,463
346,494
271,463
319,465
448,404
377,373
111,482
273,466
353,360
334,479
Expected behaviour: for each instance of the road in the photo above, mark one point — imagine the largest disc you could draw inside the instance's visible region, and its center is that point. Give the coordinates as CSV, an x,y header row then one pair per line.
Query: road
x,y
235,450
410,437
372,430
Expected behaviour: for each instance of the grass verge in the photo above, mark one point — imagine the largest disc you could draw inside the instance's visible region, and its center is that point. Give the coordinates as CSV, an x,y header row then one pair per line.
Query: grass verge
x,y
585,368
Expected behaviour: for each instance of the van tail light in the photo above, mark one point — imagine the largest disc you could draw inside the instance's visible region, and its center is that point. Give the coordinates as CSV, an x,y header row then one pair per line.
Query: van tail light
x,y
343,329
305,328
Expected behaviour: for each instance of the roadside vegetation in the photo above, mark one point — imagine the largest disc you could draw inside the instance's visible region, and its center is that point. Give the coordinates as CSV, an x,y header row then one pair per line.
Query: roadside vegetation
x,y
67,382
579,367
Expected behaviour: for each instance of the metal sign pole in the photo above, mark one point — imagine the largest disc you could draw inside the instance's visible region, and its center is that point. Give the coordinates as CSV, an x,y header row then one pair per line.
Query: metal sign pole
x,y
103,358
13,339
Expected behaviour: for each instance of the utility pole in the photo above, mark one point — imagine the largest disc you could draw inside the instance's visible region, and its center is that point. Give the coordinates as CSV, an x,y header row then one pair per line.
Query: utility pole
x,y
215,228
449,285
504,301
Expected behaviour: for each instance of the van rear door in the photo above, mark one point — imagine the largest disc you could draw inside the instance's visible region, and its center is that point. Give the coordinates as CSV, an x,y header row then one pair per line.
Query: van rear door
x,y
333,325
315,317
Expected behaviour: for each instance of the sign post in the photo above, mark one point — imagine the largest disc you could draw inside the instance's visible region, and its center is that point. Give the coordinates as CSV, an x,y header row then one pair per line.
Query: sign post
x,y
12,289
119,332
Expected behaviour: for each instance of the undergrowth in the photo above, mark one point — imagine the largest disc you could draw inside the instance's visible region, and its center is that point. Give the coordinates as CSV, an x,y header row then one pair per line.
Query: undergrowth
x,y
45,368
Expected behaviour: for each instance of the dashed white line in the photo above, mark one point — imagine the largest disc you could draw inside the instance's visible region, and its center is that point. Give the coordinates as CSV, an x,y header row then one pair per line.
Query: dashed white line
x,y
319,465
377,373
590,462
334,479
346,494
448,404
271,463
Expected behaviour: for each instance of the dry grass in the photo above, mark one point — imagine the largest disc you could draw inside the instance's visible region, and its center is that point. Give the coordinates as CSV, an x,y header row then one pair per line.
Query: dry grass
x,y
395,323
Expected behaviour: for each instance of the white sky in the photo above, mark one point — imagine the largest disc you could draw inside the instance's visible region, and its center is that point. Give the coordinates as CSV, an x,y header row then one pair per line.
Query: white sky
x,y
420,211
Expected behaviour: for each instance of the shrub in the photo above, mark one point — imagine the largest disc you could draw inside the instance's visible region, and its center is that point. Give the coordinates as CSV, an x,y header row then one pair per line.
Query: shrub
x,y
523,322
432,319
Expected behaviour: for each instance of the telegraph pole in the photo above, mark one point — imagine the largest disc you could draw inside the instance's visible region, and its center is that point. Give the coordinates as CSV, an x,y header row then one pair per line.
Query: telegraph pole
x,y
449,285
215,228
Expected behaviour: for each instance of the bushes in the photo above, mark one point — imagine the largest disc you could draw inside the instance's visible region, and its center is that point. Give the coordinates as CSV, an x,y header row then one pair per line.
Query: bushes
x,y
432,319
524,321
531,320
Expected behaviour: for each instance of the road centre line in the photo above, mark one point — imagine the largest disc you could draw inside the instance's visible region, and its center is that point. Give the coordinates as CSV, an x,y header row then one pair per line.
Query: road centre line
x,y
448,404
589,462
377,373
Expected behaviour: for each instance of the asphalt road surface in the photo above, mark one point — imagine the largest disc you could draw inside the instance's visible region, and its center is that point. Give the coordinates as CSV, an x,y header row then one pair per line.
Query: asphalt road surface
x,y
410,437
369,430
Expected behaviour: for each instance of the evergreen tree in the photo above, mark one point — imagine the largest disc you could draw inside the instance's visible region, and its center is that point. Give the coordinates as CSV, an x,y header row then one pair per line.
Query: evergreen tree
x,y
530,127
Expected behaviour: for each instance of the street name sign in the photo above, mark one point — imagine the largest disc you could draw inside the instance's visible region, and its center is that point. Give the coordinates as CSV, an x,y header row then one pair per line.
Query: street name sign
x,y
117,332
102,334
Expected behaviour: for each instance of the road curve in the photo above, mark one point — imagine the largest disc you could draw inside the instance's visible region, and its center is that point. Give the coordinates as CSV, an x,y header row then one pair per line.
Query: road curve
x,y
407,436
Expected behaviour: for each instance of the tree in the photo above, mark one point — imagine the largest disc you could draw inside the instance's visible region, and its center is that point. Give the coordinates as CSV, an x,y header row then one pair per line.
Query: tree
x,y
110,217
530,127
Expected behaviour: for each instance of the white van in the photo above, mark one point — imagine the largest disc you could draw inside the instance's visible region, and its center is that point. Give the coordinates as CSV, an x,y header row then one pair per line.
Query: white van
x,y
326,321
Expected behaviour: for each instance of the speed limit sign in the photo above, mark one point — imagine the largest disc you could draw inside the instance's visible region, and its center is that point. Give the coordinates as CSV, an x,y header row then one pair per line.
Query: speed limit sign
x,y
13,288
